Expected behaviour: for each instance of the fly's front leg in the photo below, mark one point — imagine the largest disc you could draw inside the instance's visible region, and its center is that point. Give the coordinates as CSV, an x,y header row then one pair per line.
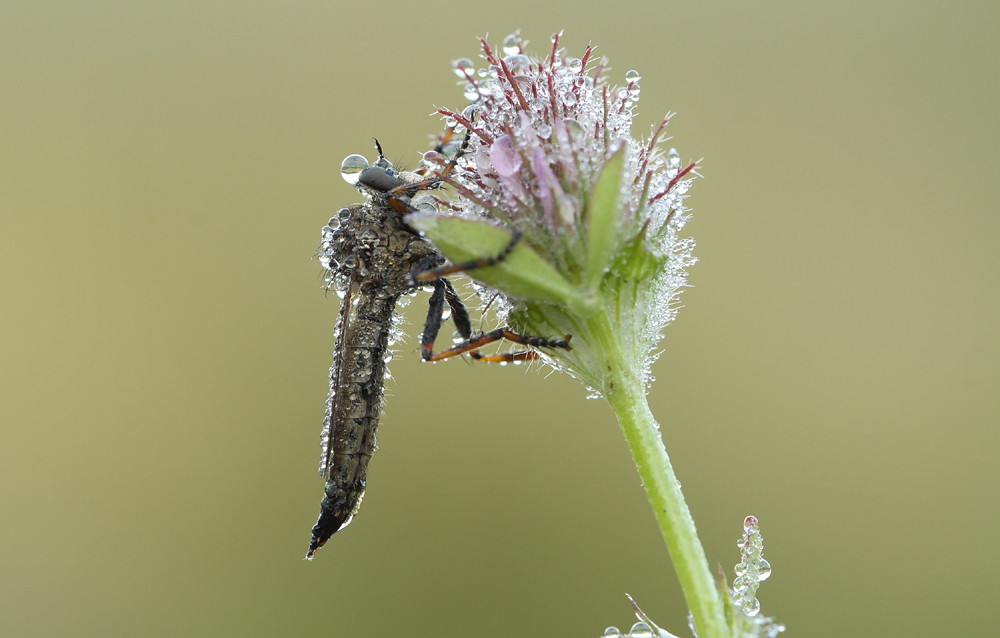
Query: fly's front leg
x,y
441,271
399,197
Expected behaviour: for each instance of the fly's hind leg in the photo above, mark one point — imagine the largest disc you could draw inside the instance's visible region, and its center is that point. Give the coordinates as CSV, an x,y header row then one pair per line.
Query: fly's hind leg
x,y
443,293
472,345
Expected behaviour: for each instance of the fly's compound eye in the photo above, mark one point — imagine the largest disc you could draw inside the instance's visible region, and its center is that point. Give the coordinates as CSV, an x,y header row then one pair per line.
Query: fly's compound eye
x,y
379,178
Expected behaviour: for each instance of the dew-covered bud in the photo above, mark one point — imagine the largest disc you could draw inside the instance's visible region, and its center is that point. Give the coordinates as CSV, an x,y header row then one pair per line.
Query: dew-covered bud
x,y
552,157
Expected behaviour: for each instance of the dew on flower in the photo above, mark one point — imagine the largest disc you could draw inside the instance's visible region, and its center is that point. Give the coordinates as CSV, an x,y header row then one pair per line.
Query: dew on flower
x,y
512,44
463,67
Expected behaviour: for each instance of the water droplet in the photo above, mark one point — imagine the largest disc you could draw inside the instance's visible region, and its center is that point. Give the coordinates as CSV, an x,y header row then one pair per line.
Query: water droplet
x,y
553,39
673,163
574,127
387,357
471,92
351,167
569,99
341,293
764,571
574,64
511,44
457,338
446,313
543,130
740,543
450,122
622,93
517,63
433,159
633,90
482,73
752,608
473,113
612,632
632,76
749,521
740,569
641,630
503,363
463,67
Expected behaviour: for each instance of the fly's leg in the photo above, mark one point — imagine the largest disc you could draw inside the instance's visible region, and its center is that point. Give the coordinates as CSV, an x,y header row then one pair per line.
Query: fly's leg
x,y
441,271
443,293
399,198
471,345
506,357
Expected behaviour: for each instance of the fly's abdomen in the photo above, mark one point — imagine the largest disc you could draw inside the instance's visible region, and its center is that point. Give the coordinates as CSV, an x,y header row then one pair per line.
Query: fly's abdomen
x,y
353,409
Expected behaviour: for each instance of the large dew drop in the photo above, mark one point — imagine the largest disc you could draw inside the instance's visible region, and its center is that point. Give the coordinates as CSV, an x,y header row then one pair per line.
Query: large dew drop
x,y
463,67
764,571
641,630
511,45
351,167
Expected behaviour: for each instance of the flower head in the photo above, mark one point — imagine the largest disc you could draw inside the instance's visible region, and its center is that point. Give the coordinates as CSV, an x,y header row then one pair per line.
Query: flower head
x,y
551,155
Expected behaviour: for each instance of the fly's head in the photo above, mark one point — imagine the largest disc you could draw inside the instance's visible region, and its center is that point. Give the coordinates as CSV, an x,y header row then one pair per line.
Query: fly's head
x,y
354,240
380,182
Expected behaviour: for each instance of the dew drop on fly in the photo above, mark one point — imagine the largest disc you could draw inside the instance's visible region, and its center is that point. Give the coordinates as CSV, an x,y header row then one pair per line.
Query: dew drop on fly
x,y
350,169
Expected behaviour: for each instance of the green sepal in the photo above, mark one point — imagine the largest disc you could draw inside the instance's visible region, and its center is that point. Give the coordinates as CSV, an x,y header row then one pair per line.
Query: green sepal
x,y
523,274
602,217
639,261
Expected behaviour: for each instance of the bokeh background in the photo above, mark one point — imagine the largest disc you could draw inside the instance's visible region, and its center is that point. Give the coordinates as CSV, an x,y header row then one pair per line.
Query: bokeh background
x,y
165,168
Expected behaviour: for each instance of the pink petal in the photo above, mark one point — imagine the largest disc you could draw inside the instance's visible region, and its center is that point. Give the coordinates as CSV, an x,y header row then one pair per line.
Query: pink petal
x,y
504,157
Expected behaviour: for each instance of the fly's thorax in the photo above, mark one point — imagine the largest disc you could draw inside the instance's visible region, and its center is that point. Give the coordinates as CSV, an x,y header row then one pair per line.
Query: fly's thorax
x,y
369,243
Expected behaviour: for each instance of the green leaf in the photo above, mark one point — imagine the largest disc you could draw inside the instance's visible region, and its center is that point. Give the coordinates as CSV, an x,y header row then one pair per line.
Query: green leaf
x,y
522,274
602,220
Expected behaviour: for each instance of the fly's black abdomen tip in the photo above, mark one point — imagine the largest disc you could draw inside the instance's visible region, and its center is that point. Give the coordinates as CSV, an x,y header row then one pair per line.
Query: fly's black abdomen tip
x,y
327,525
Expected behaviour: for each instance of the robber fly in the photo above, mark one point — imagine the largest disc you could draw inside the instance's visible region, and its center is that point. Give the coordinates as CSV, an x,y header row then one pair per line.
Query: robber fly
x,y
372,257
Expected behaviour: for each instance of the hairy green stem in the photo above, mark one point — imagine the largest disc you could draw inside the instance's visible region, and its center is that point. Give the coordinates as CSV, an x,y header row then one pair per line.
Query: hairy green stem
x,y
626,394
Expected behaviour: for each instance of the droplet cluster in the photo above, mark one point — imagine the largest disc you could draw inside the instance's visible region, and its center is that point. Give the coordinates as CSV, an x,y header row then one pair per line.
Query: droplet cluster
x,y
752,569
639,630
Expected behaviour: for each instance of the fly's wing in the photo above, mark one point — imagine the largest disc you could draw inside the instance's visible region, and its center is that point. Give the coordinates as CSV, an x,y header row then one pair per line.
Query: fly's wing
x,y
337,378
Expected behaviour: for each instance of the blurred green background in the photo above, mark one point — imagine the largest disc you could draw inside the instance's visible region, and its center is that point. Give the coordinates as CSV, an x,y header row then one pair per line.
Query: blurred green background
x,y
165,168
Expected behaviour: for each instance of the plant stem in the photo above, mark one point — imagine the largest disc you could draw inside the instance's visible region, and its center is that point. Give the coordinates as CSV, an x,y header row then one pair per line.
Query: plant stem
x,y
625,393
